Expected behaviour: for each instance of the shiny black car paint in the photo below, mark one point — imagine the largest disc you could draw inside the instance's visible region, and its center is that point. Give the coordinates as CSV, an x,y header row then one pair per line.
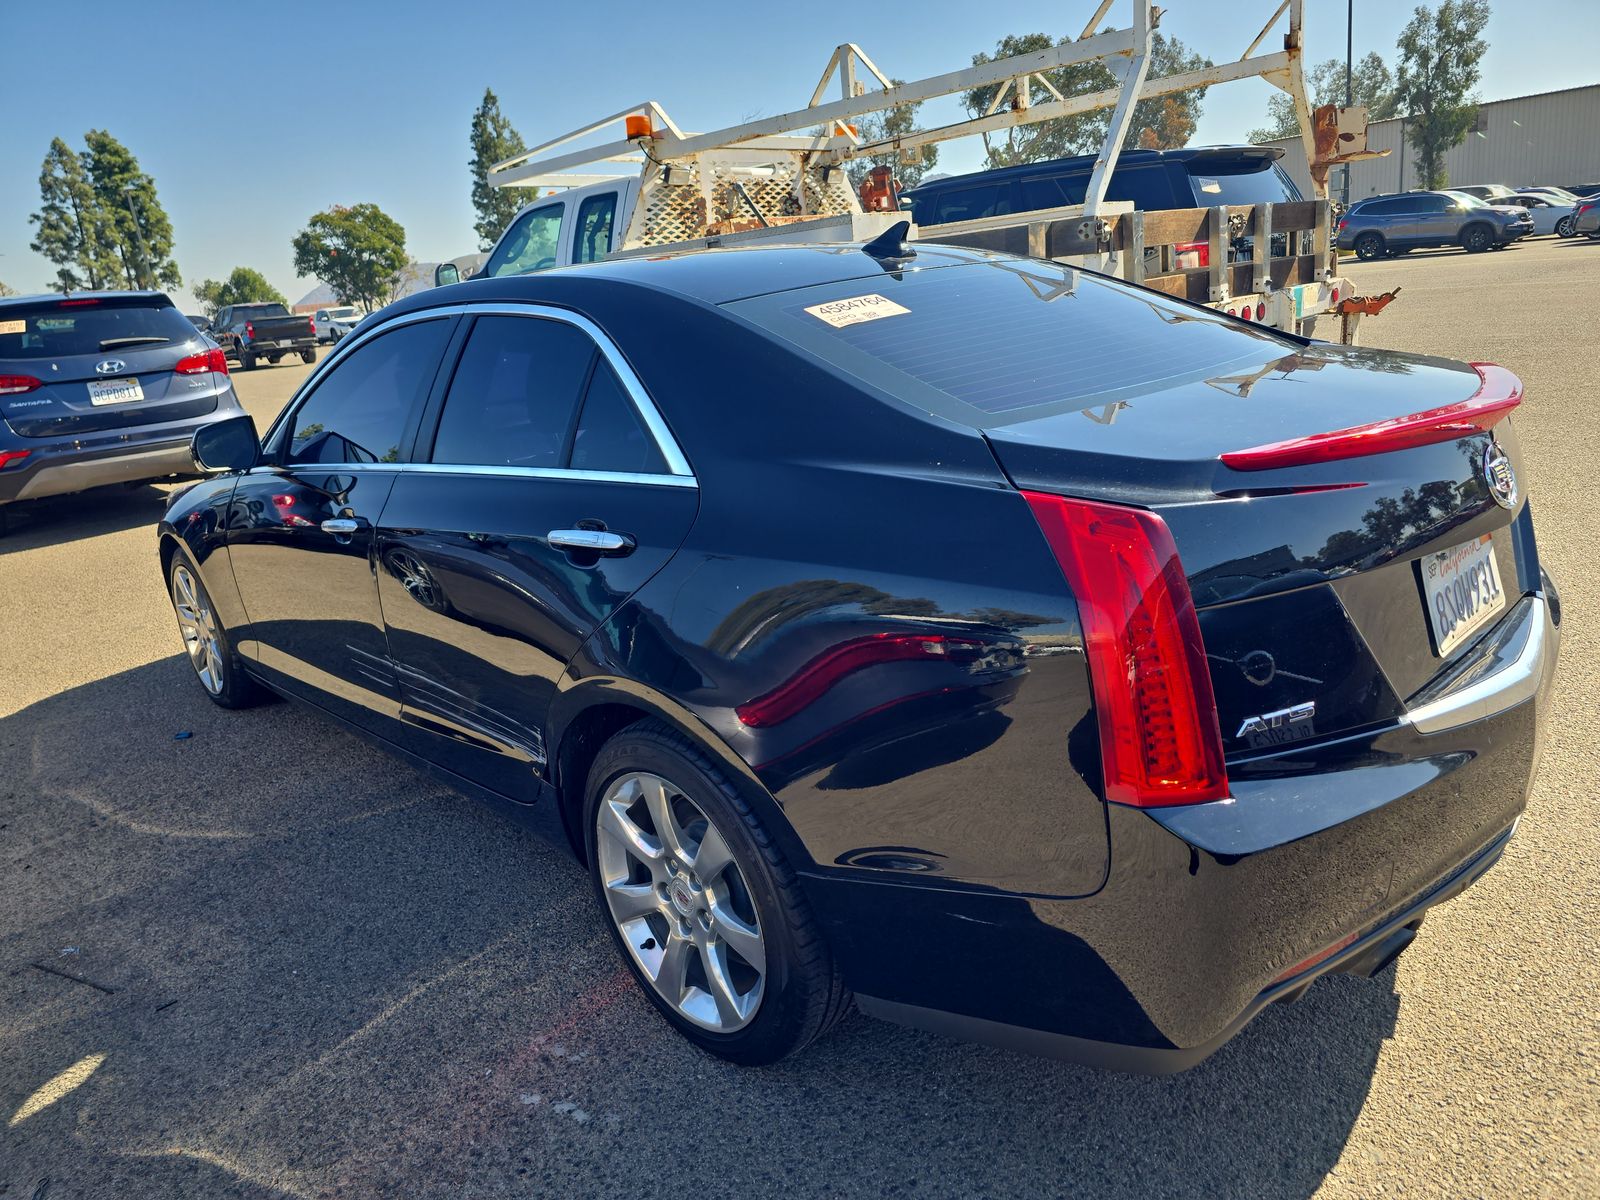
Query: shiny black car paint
x,y
945,814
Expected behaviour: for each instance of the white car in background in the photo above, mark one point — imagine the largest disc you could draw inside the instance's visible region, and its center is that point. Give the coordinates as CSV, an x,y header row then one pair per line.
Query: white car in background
x,y
1550,212
334,323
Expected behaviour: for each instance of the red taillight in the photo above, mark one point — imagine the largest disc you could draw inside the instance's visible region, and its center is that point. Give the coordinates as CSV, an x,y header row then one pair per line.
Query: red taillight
x,y
821,673
1321,956
1261,310
15,385
1159,740
249,330
312,321
7,457
206,360
78,303
1192,255
1499,391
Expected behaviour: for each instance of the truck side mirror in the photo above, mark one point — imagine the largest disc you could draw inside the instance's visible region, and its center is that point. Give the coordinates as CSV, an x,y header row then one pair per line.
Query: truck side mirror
x,y
230,445
445,274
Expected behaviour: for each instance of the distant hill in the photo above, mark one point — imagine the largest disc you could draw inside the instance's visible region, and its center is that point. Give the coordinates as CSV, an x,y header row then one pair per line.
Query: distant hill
x,y
418,278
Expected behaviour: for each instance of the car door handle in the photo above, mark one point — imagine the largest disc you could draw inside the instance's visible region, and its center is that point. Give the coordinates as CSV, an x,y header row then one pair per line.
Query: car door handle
x,y
342,526
596,541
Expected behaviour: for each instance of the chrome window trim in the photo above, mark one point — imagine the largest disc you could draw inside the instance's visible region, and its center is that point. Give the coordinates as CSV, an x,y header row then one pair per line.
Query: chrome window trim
x,y
576,476
679,471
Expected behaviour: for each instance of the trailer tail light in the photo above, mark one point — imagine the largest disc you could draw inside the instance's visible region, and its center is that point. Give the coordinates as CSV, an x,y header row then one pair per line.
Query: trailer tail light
x,y
199,364
15,385
1499,391
1159,740
1192,255
7,457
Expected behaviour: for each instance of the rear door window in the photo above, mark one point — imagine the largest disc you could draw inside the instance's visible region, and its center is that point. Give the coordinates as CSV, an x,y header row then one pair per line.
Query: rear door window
x,y
362,409
971,203
65,328
1053,191
609,435
512,400
1148,188
591,240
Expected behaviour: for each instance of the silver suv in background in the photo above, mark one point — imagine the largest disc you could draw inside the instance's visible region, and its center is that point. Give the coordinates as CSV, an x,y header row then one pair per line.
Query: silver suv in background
x,y
1384,226
102,387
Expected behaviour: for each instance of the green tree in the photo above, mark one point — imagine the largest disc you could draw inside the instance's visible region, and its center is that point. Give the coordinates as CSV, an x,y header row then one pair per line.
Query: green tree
x,y
6,289
245,285
68,222
359,251
1441,52
493,140
133,228
1371,87
896,122
1080,134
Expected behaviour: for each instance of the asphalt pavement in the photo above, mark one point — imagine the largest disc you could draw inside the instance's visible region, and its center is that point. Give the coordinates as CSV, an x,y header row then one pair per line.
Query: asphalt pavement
x,y
245,954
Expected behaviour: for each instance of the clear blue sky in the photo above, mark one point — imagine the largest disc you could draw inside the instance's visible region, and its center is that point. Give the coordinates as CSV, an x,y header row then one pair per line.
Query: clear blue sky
x,y
373,102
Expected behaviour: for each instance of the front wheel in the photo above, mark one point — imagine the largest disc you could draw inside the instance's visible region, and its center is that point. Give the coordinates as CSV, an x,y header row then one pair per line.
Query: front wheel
x,y
1369,246
1477,240
1564,227
205,641
706,911
308,356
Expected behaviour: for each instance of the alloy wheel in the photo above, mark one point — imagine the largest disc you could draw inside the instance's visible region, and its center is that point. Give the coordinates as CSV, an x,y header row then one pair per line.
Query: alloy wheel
x,y
680,902
198,624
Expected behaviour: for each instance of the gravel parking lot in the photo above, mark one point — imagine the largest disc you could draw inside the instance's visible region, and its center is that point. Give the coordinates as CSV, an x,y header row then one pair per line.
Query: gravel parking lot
x,y
266,960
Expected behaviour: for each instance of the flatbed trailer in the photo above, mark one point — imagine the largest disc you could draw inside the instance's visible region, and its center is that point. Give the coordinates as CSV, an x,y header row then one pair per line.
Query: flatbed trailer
x,y
783,177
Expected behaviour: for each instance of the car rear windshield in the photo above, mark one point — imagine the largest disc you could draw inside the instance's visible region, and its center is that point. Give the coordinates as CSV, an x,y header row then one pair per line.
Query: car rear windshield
x,y
988,344
260,310
62,328
1239,182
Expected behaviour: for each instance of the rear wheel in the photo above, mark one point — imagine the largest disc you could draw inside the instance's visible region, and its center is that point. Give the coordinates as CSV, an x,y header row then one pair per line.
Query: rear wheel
x,y
206,642
1477,239
247,361
706,911
1564,227
1369,246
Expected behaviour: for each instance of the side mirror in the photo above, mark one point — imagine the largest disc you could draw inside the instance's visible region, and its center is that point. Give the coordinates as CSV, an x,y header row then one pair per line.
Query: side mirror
x,y
230,445
445,274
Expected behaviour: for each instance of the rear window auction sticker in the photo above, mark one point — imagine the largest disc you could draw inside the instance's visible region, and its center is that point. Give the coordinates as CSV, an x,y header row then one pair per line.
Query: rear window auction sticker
x,y
13,326
855,309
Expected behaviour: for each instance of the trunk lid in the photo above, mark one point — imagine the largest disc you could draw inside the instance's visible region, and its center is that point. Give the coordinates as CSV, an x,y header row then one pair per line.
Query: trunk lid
x,y
88,364
1314,582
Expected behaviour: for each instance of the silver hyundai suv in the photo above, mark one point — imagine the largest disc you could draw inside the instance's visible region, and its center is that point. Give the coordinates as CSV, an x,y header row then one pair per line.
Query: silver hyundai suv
x,y
1384,226
101,387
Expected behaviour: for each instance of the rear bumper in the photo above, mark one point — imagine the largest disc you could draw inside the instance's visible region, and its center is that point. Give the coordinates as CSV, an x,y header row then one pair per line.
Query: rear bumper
x,y
62,470
1207,910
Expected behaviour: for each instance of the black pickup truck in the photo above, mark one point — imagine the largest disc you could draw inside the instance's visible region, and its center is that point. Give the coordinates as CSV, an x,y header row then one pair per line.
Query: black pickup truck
x,y
251,332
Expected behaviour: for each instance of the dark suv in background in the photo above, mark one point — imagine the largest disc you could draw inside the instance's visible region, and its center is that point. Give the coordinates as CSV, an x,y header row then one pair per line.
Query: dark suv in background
x,y
1152,179
102,387
1383,226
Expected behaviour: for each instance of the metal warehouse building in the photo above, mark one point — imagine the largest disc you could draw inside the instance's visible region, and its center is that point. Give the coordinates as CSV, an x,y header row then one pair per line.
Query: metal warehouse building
x,y
1551,138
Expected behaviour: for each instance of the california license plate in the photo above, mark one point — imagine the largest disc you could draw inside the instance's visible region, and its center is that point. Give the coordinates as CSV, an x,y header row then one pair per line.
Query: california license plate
x,y
115,391
1462,587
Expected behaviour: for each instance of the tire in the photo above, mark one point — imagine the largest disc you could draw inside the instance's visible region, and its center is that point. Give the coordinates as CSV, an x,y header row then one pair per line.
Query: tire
x,y
1477,238
1369,246
247,362
726,913
4,523
1565,226
205,640
308,356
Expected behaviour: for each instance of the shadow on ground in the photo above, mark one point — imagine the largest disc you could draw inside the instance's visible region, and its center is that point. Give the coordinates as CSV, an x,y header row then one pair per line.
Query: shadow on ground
x,y
313,972
57,519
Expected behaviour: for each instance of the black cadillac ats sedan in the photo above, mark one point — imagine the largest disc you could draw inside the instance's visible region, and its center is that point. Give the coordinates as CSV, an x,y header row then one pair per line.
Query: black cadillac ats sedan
x,y
1020,653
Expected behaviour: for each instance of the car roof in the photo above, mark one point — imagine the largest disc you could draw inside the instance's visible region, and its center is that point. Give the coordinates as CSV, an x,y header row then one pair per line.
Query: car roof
x,y
45,297
713,276
1128,158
